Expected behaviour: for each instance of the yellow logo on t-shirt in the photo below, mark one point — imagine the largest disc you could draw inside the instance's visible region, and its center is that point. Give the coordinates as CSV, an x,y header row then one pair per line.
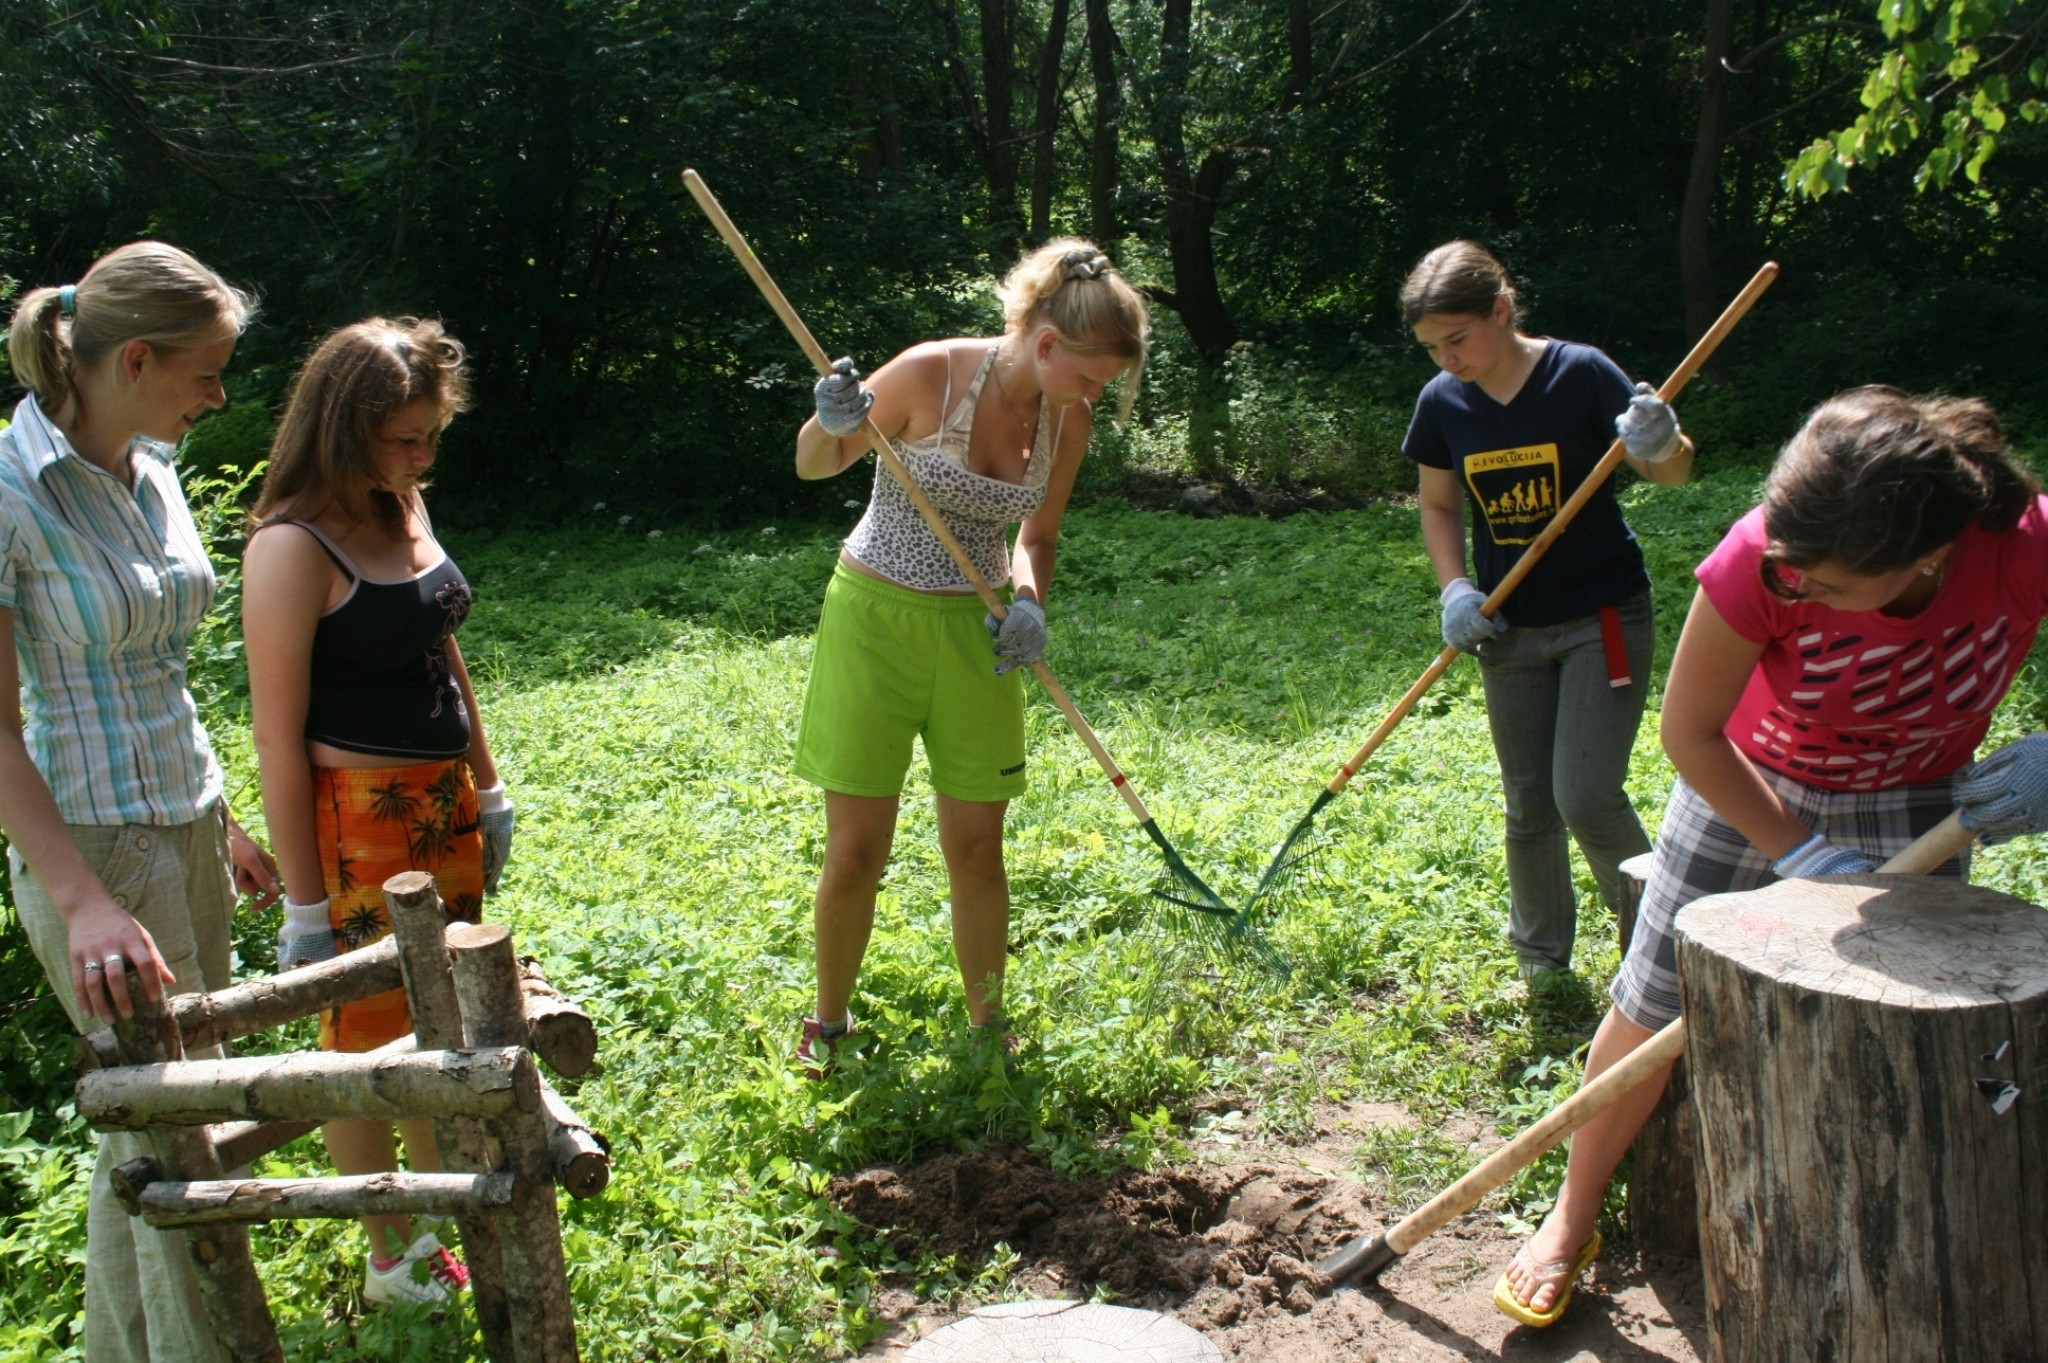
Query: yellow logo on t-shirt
x,y
1516,488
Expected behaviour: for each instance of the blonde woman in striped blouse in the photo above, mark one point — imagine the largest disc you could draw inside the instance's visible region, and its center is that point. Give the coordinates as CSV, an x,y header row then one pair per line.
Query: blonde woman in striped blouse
x,y
123,856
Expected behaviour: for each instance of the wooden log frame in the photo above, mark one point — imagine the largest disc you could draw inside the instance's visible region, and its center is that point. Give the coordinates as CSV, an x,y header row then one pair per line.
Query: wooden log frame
x,y
419,926
317,1086
228,1286
1663,1209
1870,1068
493,1014
559,1031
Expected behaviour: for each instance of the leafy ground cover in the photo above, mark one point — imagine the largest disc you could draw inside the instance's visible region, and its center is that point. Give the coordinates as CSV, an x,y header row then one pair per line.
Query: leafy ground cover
x,y
643,687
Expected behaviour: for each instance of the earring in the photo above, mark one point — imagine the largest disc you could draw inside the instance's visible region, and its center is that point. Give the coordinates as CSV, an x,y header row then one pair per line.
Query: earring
x,y
1928,571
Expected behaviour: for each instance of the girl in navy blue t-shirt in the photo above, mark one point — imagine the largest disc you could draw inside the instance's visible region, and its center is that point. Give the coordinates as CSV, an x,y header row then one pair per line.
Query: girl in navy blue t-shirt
x,y
1511,427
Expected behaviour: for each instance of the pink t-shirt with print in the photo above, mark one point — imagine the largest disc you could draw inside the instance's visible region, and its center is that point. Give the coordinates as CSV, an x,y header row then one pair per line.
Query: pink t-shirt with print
x,y
1859,700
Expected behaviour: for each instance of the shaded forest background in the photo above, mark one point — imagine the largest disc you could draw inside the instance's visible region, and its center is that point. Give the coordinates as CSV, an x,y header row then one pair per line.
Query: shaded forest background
x,y
1267,168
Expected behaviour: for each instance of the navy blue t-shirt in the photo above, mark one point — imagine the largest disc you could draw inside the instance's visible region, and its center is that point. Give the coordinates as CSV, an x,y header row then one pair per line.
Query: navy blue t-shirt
x,y
1520,462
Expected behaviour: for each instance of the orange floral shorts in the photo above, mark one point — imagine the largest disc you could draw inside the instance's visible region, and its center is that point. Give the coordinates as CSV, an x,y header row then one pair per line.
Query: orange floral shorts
x,y
373,823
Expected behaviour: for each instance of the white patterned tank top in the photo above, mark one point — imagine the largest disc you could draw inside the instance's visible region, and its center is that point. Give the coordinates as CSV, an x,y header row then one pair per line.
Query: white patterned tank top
x,y
893,540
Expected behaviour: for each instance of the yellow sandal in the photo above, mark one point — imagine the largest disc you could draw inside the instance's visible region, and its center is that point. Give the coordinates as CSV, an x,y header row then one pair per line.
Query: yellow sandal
x,y
1568,1269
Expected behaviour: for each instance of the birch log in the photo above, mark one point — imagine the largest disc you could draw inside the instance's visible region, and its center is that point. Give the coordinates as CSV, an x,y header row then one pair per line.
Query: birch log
x,y
315,1086
419,926
1870,1068
493,1013
582,1158
208,1202
258,1005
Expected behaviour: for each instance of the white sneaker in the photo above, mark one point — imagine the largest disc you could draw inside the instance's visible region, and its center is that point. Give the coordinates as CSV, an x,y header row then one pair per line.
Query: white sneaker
x,y
426,1272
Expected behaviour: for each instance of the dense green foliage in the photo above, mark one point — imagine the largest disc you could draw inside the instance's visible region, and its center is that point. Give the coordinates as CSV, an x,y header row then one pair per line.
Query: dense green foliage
x,y
643,684
1267,168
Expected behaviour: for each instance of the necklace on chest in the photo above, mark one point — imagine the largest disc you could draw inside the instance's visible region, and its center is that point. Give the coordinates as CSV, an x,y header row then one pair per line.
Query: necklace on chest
x,y
1018,426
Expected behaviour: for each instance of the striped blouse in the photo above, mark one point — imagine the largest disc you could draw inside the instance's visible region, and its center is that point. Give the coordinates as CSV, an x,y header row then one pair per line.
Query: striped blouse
x,y
106,584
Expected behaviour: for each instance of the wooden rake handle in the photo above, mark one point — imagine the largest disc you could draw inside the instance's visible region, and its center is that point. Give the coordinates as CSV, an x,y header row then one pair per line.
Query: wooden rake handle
x,y
1926,852
1680,377
879,443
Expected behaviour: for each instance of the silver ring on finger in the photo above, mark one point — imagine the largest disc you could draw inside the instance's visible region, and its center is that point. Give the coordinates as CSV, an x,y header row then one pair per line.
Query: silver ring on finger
x,y
115,961
91,967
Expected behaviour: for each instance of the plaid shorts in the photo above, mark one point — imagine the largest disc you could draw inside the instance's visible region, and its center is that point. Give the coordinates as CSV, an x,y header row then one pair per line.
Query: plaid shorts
x,y
1699,854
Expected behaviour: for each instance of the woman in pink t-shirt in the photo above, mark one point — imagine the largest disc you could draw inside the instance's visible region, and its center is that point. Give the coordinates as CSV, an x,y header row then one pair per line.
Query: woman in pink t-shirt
x,y
1847,645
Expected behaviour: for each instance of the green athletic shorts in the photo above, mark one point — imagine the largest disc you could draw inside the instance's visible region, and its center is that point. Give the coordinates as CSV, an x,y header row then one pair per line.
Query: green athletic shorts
x,y
892,663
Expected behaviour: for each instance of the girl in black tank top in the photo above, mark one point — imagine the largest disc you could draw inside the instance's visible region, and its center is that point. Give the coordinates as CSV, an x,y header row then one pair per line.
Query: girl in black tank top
x,y
373,756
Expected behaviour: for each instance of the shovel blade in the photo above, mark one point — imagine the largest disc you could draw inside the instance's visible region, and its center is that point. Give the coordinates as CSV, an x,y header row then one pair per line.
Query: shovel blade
x,y
1368,1256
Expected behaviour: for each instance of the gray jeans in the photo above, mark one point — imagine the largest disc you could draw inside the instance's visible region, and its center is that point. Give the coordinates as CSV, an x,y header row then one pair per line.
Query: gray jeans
x,y
1563,736
142,1302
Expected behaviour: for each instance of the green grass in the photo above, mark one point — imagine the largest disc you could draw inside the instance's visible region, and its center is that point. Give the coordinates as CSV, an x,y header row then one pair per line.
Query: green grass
x,y
642,692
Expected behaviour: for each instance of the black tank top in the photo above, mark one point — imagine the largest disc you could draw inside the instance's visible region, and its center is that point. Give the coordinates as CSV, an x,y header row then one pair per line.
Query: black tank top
x,y
380,678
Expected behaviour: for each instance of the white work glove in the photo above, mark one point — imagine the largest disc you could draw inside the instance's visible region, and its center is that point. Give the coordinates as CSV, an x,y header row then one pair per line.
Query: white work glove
x,y
494,820
842,402
1464,626
307,935
1819,857
1019,636
1648,426
2006,795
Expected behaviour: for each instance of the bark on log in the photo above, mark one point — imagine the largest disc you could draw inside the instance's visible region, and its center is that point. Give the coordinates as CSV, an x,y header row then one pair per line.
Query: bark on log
x,y
582,1158
487,983
1870,1068
1663,1209
258,1005
316,1086
561,1033
213,1201
419,926
228,1285
237,1144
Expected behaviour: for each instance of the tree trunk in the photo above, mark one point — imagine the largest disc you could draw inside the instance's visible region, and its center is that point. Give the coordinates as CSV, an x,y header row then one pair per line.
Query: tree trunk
x,y
1696,213
1663,1210
999,94
1870,1065
1102,145
1048,116
1192,198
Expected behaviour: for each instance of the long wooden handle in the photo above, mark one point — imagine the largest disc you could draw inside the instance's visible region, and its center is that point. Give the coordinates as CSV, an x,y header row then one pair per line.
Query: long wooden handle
x,y
1695,358
1926,852
884,451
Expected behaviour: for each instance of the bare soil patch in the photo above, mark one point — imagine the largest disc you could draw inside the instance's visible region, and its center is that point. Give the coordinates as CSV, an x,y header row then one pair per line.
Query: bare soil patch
x,y
1230,1249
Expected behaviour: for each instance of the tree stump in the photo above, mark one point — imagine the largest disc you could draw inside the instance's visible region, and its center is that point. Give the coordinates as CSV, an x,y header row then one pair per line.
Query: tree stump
x,y
1870,1070
1663,1210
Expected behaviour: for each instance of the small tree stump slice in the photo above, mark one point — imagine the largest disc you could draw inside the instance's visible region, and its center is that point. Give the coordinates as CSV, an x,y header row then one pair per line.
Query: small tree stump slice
x,y
1064,1332
1869,1060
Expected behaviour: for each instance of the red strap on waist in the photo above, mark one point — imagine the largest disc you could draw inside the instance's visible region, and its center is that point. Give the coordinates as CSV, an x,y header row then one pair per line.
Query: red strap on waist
x,y
1614,646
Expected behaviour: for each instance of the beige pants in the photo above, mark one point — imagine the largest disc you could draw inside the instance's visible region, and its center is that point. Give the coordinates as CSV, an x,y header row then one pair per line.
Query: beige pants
x,y
142,1302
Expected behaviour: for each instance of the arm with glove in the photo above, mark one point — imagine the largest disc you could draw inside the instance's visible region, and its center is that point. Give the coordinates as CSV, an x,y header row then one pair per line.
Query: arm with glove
x,y
1464,626
1656,448
2005,795
494,813
1020,637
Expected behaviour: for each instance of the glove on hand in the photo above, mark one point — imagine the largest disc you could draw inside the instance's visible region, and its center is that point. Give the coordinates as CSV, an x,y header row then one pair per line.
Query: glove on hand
x,y
1019,636
1464,626
1649,428
1819,857
307,935
842,402
2006,795
494,819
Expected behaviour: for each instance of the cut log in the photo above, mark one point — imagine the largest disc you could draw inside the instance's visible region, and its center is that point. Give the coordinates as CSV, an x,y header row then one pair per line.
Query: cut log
x,y
1663,1210
537,1279
237,1144
229,1289
562,1033
258,1005
582,1158
318,1086
419,926
210,1202
1870,1070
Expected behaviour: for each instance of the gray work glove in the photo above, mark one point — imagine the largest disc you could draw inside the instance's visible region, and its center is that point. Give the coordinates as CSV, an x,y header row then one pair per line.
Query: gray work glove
x,y
1648,426
2006,795
1819,857
1019,636
1465,628
307,935
842,402
494,820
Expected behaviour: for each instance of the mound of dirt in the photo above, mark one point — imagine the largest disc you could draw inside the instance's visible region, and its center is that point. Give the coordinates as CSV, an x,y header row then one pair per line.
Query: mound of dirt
x,y
1231,1250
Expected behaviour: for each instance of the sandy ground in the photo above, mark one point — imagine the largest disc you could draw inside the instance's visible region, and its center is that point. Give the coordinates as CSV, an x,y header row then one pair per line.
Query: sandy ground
x,y
1227,1244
